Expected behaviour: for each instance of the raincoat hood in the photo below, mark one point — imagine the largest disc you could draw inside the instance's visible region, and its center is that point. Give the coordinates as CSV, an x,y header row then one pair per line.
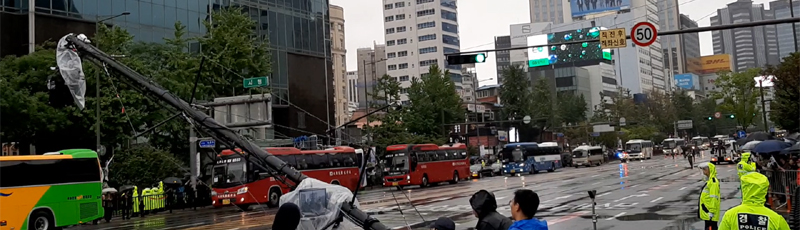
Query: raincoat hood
x,y
483,202
754,189
745,157
712,171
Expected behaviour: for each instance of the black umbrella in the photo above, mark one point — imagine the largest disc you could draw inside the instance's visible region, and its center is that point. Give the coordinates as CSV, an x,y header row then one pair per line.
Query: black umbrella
x,y
125,188
794,149
794,136
173,180
771,146
759,136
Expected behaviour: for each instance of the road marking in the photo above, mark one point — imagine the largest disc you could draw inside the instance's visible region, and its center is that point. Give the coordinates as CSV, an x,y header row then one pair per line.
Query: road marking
x,y
597,182
606,193
657,199
634,186
635,195
615,216
596,175
441,199
682,189
562,197
500,198
566,218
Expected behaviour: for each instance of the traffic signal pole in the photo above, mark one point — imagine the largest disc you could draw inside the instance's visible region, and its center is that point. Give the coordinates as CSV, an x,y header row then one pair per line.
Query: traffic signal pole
x,y
672,32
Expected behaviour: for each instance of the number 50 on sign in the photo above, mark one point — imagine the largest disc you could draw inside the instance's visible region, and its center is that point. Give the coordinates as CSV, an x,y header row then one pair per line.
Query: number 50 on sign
x,y
613,38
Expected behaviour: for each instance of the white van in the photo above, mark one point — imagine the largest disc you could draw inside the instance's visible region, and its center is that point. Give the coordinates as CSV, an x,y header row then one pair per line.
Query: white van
x,y
588,156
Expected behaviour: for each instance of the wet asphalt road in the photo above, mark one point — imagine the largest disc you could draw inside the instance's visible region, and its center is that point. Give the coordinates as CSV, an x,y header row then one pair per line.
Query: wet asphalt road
x,y
652,194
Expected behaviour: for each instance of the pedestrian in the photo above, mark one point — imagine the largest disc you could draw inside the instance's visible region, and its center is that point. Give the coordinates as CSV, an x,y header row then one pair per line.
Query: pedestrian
x,y
484,207
443,223
287,217
523,209
752,214
710,197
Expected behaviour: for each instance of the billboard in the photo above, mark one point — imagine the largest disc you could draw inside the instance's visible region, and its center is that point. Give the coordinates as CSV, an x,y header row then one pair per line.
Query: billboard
x,y
684,81
538,56
579,51
585,7
710,64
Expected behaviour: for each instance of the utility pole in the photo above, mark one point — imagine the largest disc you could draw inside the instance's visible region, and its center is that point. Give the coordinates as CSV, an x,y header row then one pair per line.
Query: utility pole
x,y
97,77
194,168
763,106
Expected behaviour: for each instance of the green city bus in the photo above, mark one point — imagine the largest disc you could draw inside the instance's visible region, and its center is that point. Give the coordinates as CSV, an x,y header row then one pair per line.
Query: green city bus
x,y
50,191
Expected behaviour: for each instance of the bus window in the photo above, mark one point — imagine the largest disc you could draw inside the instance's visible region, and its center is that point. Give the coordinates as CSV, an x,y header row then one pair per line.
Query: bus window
x,y
348,159
423,157
304,162
463,155
289,159
433,156
57,171
442,155
320,161
517,155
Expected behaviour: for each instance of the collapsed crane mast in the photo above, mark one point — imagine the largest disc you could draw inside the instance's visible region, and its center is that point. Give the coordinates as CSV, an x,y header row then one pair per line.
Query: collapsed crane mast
x,y
268,162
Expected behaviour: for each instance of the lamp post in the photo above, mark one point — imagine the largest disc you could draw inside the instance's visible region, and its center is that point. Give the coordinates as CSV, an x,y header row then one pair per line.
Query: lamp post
x,y
475,103
97,76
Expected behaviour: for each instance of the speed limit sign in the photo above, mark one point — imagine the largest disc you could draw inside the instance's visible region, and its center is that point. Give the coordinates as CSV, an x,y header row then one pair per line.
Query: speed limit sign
x,y
644,34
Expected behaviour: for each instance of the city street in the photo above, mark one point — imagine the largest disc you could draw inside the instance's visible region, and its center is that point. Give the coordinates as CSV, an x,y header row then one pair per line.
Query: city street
x,y
660,193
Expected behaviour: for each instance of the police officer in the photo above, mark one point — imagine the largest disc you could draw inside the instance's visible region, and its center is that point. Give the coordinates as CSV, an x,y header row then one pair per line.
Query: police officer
x,y
710,197
745,166
752,214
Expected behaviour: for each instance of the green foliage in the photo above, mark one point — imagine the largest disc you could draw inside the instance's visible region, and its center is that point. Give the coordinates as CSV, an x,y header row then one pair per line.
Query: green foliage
x,y
543,104
515,94
434,102
571,108
684,105
143,166
739,95
646,132
392,130
784,111
661,111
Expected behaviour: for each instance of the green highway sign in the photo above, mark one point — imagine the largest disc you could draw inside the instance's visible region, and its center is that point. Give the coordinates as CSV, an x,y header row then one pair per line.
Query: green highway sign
x,y
256,82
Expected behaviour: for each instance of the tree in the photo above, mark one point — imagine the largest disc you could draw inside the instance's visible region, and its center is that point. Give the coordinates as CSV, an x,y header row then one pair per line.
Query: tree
x,y
516,96
143,166
434,102
739,95
661,112
683,104
542,101
391,129
571,108
784,111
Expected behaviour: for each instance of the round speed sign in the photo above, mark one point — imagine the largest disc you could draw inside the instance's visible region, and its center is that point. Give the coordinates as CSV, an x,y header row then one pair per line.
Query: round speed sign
x,y
644,34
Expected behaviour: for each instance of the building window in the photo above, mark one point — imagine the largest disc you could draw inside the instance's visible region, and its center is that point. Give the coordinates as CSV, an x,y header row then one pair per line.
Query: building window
x,y
404,90
390,43
391,55
402,41
427,50
388,18
450,40
425,12
402,53
403,78
403,66
426,25
399,4
427,37
448,50
401,29
387,6
390,31
449,27
423,1
391,67
428,62
449,15
301,120
400,17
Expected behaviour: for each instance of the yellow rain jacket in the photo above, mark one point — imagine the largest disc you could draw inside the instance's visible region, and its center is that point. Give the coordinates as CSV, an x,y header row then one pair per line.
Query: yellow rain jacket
x,y
710,198
745,166
752,214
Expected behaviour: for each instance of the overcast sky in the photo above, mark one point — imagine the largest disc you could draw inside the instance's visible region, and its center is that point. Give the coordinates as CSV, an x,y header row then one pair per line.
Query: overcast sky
x,y
481,20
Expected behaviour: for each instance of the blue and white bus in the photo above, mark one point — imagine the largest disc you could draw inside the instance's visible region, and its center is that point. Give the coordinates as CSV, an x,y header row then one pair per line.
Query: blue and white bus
x,y
531,157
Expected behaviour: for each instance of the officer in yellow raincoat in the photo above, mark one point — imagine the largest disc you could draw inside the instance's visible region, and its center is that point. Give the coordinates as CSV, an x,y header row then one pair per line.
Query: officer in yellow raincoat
x,y
710,197
752,214
745,166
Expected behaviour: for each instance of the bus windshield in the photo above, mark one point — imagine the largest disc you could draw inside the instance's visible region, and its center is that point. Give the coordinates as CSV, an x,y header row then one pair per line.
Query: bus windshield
x,y
396,161
636,147
578,153
517,155
230,174
698,142
670,144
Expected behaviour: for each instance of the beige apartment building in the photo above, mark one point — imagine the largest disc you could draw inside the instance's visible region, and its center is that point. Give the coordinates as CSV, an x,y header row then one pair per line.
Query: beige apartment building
x,y
339,59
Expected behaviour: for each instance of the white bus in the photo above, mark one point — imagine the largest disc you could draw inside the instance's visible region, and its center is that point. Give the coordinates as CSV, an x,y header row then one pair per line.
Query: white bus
x,y
588,156
639,149
673,146
703,142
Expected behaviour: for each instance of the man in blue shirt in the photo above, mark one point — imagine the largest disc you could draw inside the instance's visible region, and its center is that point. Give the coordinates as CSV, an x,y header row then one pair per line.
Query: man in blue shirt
x,y
523,209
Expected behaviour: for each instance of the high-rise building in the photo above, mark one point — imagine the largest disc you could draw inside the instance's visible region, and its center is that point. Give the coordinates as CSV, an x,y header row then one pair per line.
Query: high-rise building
x,y
749,47
557,11
418,34
339,59
298,36
673,46
371,66
502,58
786,42
690,43
469,82
352,84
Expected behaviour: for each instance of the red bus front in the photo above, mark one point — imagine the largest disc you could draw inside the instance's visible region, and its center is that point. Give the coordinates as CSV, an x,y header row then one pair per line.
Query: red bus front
x,y
425,164
241,184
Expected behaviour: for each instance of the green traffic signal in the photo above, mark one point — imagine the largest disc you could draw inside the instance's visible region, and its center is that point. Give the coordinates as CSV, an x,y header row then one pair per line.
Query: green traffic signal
x,y
466,59
709,118
480,58
731,116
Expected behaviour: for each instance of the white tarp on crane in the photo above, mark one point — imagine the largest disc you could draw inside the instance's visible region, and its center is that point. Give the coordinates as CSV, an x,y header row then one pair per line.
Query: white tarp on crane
x,y
69,64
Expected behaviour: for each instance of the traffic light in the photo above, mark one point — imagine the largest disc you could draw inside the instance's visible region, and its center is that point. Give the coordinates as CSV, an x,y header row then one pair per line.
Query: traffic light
x,y
731,116
709,118
466,59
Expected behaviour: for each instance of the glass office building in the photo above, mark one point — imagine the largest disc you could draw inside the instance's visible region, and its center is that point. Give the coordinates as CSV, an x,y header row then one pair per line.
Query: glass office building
x,y
297,29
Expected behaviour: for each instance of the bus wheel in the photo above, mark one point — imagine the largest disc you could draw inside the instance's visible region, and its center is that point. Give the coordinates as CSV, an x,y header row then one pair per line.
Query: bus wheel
x,y
455,178
41,220
274,197
552,167
424,181
336,182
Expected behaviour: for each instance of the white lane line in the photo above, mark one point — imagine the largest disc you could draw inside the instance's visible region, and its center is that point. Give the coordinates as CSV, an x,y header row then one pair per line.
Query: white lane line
x,y
597,182
682,189
606,193
615,216
634,186
596,175
500,198
657,199
441,199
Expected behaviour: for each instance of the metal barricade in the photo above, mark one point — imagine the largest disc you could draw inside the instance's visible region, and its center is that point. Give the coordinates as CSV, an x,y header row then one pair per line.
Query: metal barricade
x,y
782,185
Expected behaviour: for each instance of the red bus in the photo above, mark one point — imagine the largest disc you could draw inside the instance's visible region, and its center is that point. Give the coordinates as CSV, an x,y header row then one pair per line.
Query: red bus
x,y
425,164
237,183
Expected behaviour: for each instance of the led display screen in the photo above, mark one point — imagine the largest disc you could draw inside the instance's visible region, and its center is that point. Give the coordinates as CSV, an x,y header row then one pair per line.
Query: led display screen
x,y
562,54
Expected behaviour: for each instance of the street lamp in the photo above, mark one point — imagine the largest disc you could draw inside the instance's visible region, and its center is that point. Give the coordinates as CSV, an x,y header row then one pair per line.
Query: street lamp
x,y
475,103
97,76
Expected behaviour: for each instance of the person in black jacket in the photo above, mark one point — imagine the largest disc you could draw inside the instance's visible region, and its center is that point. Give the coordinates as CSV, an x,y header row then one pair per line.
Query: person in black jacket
x,y
484,207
